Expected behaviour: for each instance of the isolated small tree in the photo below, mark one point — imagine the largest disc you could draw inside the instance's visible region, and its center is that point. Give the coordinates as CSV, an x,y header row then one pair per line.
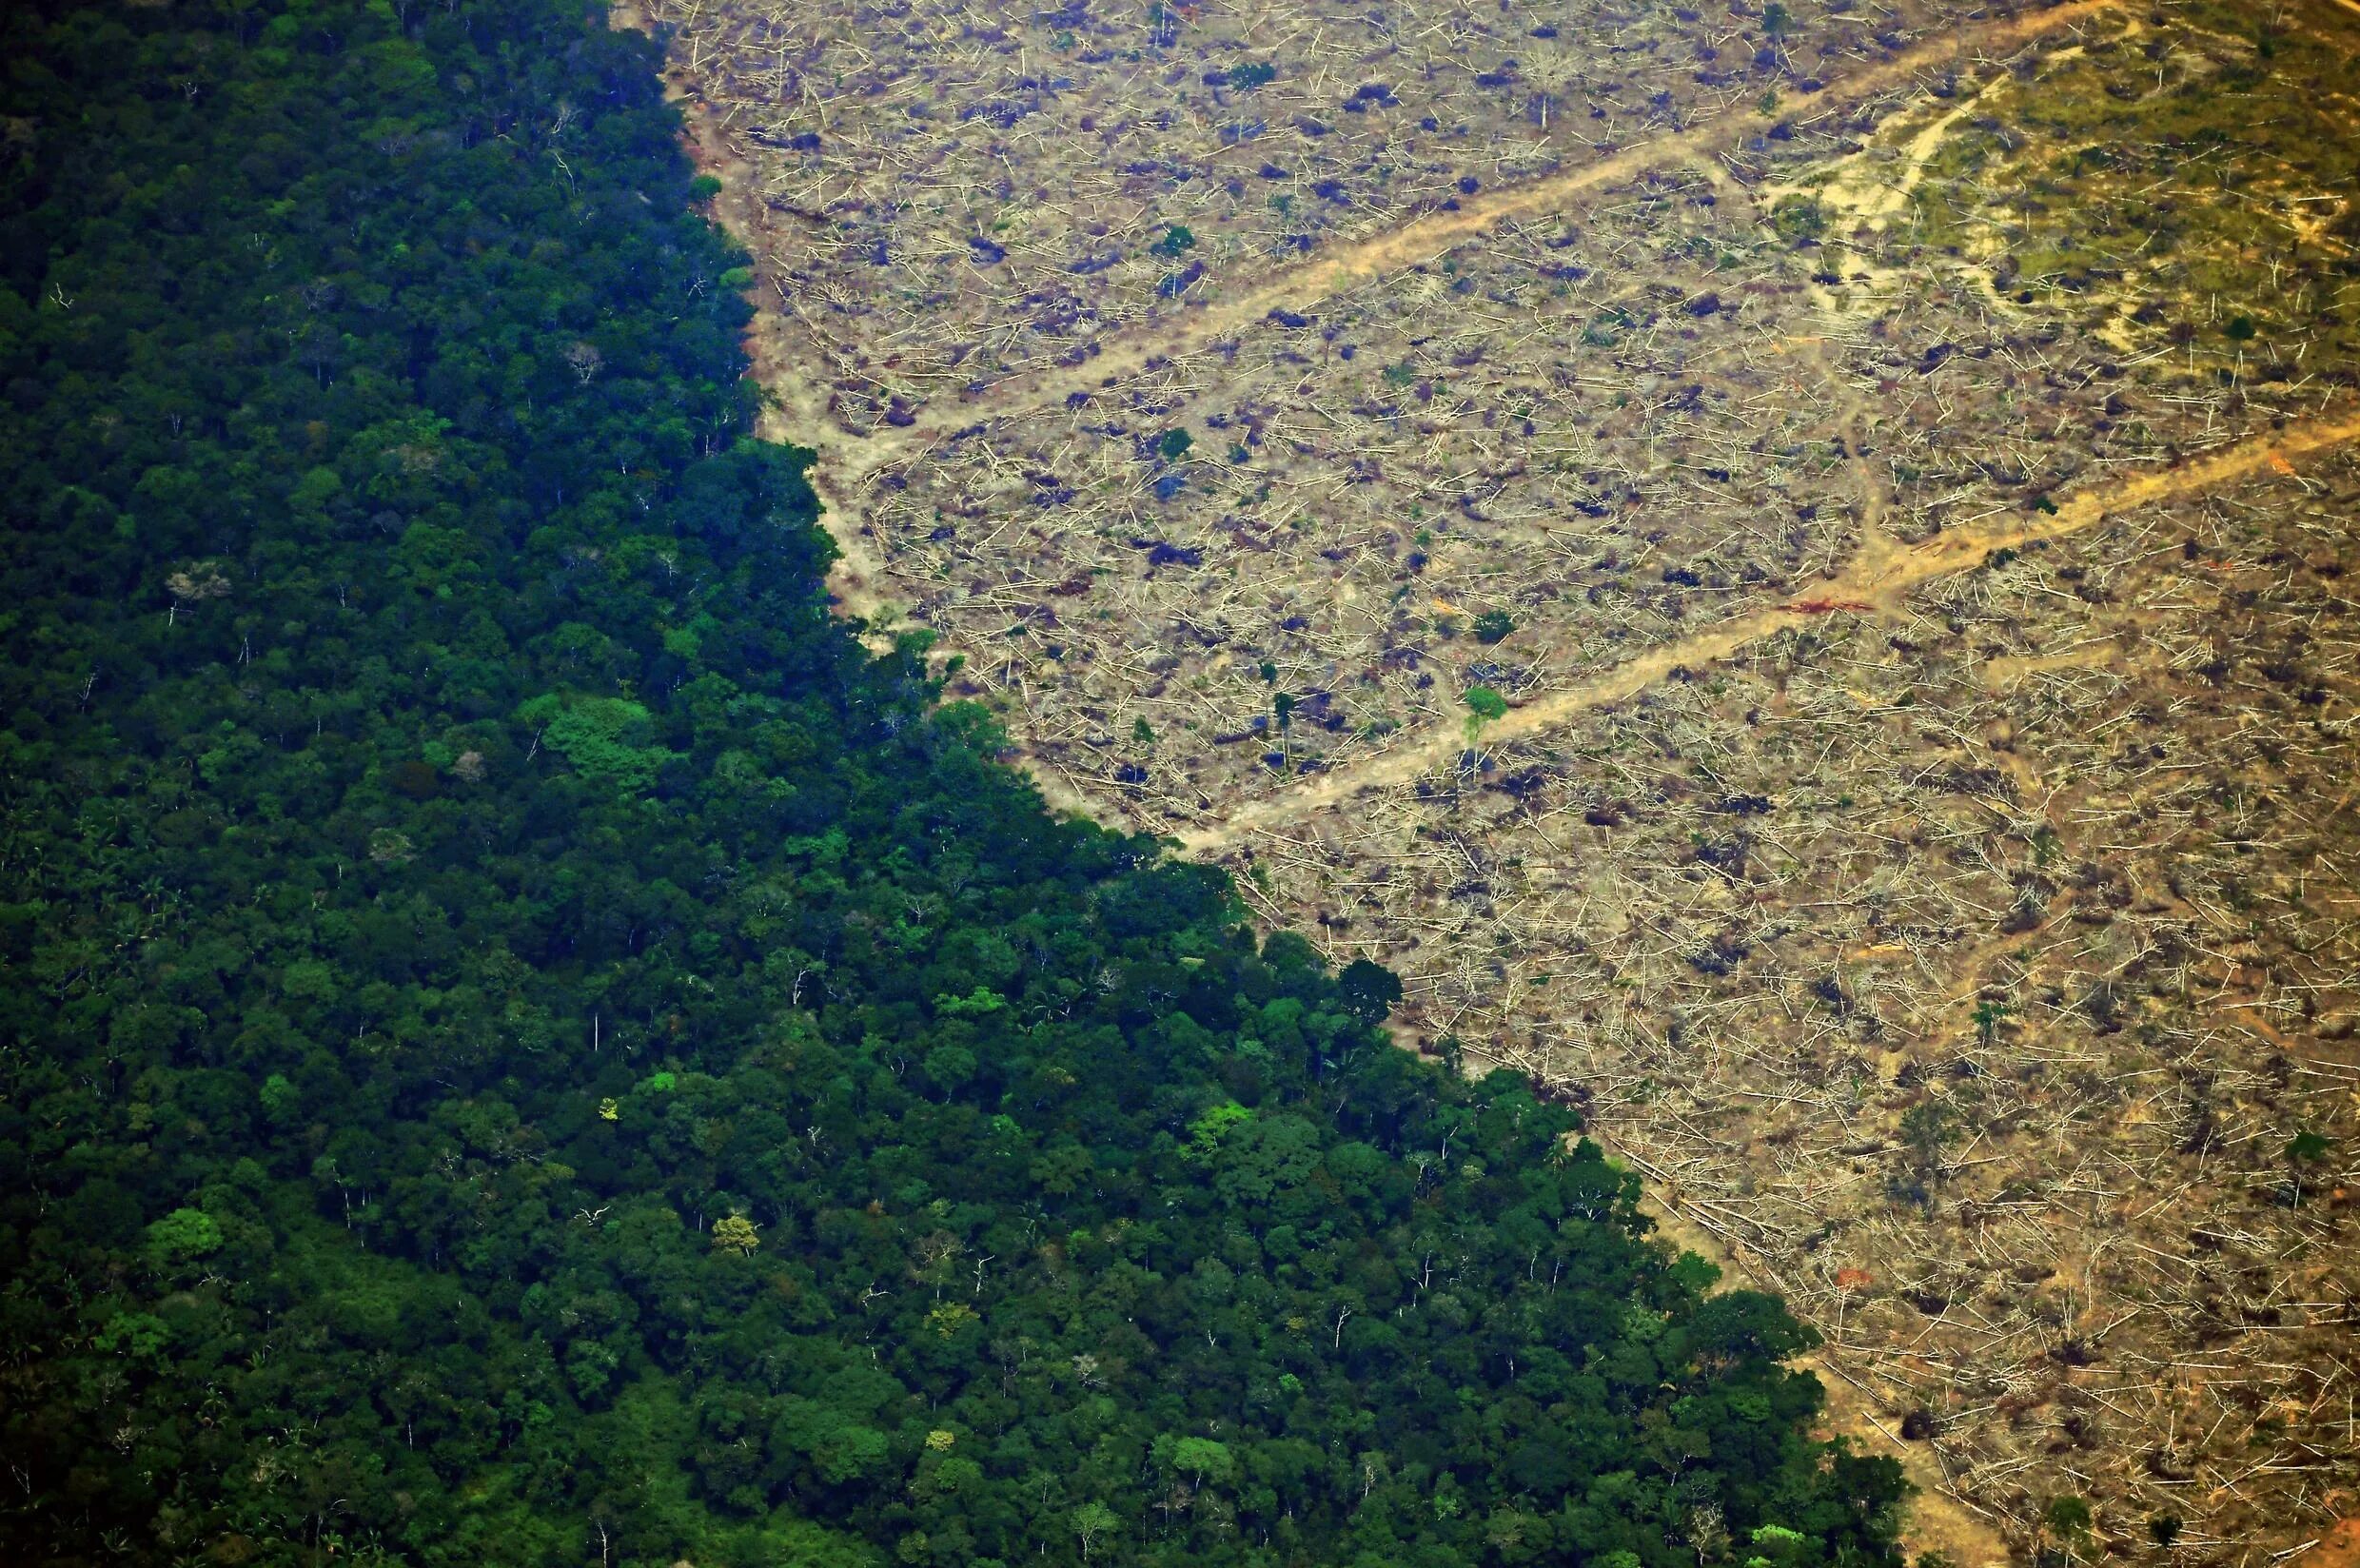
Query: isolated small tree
x,y
1987,1016
2066,1522
2306,1152
1927,1130
1796,219
1484,706
1173,444
1493,625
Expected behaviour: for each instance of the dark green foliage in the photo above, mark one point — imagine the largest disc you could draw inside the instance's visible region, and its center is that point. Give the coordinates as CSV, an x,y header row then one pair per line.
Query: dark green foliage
x,y
2066,1522
1368,989
2307,1149
522,1044
1494,626
1798,219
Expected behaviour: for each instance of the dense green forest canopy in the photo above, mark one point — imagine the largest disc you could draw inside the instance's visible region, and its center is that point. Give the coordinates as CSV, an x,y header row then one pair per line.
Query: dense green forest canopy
x,y
523,1043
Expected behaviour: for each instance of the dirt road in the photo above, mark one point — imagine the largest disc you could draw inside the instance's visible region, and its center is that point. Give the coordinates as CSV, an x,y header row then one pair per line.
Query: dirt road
x,y
1877,582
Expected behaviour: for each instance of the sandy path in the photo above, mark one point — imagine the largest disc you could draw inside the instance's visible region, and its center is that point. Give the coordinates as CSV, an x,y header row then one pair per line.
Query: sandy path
x,y
841,474
1126,352
1877,582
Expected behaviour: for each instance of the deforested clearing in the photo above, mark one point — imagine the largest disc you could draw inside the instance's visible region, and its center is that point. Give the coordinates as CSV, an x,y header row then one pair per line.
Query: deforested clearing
x,y
1787,567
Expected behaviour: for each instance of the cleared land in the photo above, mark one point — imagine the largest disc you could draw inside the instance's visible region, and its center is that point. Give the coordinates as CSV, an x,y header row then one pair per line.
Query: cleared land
x,y
1894,467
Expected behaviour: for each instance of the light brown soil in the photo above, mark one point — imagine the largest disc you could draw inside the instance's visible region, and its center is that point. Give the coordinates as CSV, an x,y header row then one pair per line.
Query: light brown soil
x,y
2341,1547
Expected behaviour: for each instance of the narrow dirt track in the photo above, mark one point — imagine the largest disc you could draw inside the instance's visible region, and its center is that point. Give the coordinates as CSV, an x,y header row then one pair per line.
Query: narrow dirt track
x,y
1877,582
845,464
1127,351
